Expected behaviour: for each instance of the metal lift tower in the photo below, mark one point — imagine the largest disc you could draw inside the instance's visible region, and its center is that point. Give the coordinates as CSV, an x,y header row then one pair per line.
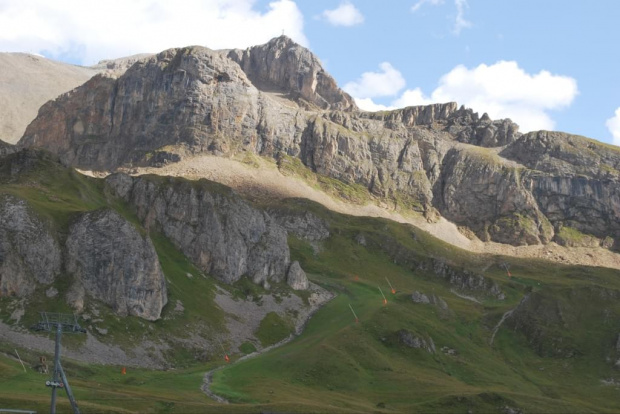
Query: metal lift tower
x,y
59,323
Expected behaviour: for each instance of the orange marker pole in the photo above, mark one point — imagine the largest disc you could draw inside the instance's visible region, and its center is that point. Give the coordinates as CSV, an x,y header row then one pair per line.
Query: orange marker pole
x,y
123,371
384,299
391,287
356,319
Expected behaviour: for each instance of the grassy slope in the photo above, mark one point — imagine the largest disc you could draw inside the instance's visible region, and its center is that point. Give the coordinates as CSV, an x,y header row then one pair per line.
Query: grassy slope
x,y
336,364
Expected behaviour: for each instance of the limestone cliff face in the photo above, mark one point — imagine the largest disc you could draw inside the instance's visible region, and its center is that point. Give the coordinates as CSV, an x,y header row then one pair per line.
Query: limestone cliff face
x,y
467,127
476,188
105,256
188,96
29,254
283,66
302,224
575,181
110,261
276,100
221,233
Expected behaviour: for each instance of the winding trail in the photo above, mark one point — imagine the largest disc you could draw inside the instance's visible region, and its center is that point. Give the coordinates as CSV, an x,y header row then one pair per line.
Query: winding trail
x,y
505,316
207,379
462,296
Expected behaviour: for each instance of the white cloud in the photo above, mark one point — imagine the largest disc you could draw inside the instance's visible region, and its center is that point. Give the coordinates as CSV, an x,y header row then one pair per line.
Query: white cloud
x,y
613,125
503,90
367,104
412,97
460,22
88,31
344,15
374,84
421,3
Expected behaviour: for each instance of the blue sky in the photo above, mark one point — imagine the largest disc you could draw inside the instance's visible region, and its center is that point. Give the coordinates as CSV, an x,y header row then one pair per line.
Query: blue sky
x,y
575,39
546,64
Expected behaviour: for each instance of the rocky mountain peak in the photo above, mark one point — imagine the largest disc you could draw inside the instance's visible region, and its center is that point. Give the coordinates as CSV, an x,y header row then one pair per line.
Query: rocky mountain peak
x,y
467,126
281,42
283,66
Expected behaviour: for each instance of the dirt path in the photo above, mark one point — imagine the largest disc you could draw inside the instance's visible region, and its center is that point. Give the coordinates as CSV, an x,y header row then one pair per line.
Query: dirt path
x,y
462,296
262,179
208,377
207,380
506,316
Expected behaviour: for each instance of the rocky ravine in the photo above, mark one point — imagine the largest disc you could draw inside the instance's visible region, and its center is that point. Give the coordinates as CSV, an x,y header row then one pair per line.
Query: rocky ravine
x,y
276,100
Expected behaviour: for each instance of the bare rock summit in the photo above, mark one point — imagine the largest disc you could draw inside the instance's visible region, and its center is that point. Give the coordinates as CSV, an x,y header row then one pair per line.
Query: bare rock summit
x,y
282,65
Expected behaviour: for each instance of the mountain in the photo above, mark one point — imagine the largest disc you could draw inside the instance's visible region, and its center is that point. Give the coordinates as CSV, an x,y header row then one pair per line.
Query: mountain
x,y
190,248
438,160
27,82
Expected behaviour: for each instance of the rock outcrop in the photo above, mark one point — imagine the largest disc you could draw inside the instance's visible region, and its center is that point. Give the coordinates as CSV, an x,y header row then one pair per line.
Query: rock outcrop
x,y
220,232
119,66
467,127
476,188
111,262
29,254
296,277
412,340
191,96
275,100
283,66
466,280
419,297
301,223
574,180
6,148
